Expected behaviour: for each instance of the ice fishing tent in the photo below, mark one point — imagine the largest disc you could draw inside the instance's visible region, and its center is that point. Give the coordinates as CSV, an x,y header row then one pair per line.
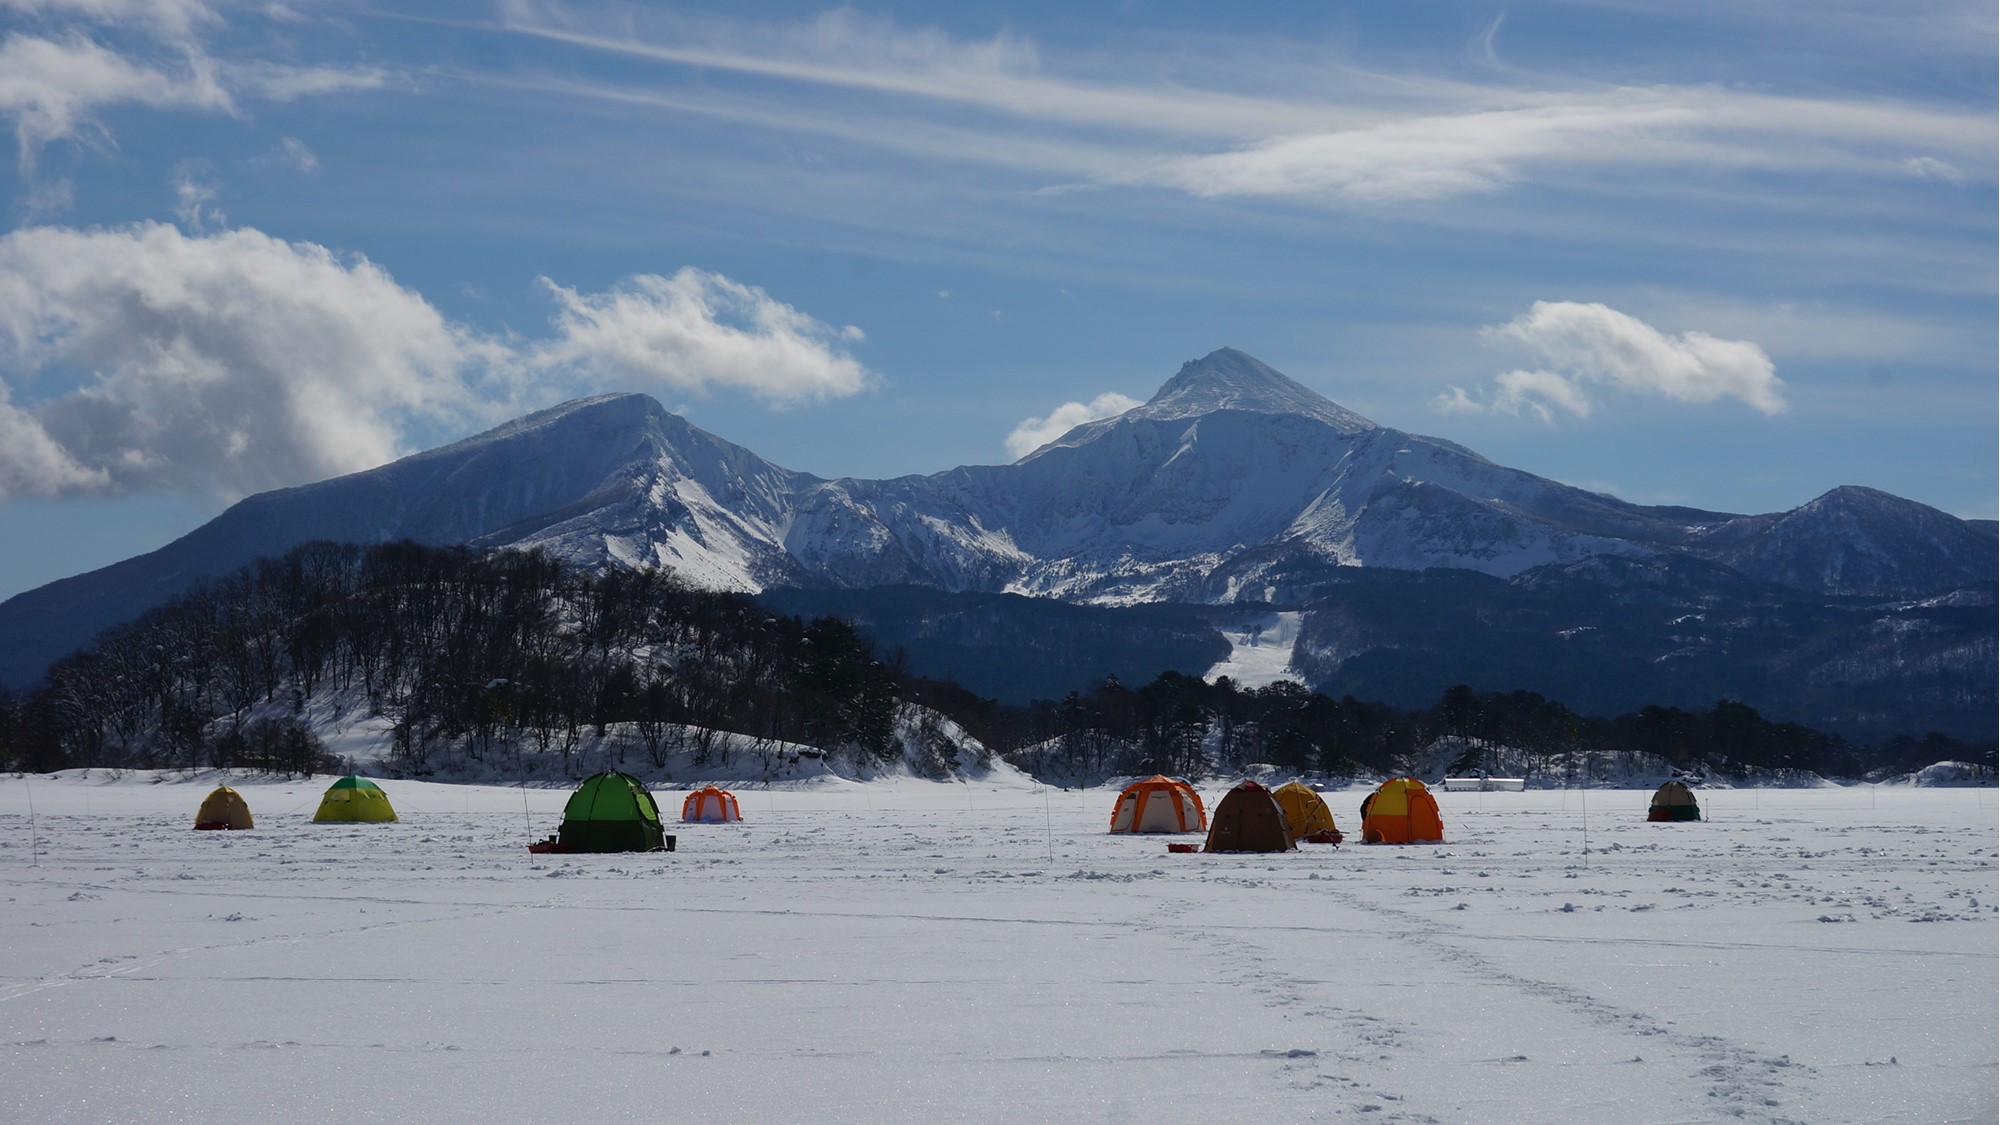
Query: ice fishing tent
x,y
1248,819
1673,801
223,809
1159,804
354,798
1305,811
1402,811
710,805
611,812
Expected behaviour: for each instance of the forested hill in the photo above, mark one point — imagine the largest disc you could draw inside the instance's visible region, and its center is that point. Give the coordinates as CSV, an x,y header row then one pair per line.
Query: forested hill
x,y
465,657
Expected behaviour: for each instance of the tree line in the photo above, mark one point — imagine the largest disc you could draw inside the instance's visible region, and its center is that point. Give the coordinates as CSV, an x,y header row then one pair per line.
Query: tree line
x,y
1181,724
506,657
467,655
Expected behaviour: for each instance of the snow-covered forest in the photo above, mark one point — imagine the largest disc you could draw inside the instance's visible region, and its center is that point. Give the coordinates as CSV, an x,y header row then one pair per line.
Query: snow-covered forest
x,y
514,663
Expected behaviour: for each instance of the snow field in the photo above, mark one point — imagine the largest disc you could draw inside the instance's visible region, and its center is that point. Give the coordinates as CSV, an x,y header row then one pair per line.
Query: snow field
x,y
1260,650
911,951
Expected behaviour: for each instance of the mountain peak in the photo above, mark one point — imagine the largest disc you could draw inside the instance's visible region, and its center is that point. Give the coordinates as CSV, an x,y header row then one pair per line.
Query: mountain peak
x,y
1226,379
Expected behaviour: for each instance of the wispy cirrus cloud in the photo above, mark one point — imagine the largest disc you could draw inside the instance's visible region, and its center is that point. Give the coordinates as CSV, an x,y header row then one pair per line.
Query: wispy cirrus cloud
x,y
1346,135
1580,348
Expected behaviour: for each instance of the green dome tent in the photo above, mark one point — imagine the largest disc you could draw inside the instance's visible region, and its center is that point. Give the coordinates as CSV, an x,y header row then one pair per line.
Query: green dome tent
x,y
611,812
354,798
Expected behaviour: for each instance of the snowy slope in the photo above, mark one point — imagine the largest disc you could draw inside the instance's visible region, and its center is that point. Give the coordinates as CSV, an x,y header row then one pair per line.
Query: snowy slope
x,y
917,952
1260,650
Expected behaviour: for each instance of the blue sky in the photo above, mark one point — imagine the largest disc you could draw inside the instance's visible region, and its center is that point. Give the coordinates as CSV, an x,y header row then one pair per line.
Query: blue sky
x,y
1724,254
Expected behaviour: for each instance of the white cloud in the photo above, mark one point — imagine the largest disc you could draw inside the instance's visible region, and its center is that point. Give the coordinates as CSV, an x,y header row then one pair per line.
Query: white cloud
x,y
194,196
227,363
291,153
51,89
1426,157
53,84
46,200
1541,392
172,20
33,463
697,331
1931,168
1034,433
234,362
1579,346
1455,400
295,153
280,83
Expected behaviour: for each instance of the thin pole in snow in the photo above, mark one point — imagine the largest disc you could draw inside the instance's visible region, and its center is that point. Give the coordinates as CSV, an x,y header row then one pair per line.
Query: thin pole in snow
x,y
34,831
1049,819
1583,802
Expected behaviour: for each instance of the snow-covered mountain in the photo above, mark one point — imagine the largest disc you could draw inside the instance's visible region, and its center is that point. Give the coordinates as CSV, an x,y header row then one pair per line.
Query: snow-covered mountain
x,y
1233,483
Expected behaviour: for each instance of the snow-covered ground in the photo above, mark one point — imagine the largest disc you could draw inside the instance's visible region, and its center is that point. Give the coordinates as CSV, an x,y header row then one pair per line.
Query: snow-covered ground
x,y
1260,650
914,951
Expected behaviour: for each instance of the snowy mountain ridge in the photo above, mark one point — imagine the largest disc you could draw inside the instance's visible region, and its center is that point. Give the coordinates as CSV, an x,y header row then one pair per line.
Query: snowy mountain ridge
x,y
1232,484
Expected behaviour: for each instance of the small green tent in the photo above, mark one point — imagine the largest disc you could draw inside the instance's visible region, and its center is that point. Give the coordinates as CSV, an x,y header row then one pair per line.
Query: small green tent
x,y
611,812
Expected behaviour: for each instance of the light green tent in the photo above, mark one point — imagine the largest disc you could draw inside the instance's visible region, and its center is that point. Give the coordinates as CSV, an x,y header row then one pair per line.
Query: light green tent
x,y
611,812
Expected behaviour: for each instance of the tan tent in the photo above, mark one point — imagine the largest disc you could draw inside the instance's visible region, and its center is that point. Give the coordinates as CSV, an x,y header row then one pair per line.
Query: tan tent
x,y
1306,813
1673,801
1159,804
223,809
1248,819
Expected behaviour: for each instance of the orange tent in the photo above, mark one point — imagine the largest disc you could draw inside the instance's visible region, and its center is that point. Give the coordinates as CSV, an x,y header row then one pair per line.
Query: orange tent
x,y
1159,804
710,805
1402,811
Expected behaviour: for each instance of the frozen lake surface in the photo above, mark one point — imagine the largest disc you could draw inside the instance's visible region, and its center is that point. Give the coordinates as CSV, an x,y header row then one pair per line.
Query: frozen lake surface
x,y
911,951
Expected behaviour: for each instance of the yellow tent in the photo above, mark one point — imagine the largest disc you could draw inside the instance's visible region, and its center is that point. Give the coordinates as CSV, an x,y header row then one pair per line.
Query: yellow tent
x,y
354,798
1306,814
223,809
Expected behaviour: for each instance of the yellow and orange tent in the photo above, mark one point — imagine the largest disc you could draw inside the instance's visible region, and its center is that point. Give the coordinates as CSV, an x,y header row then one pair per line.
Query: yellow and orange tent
x,y
1159,804
223,809
710,805
1402,811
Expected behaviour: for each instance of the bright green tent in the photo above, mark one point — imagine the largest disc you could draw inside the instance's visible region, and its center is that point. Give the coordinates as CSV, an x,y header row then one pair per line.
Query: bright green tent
x,y
611,812
354,798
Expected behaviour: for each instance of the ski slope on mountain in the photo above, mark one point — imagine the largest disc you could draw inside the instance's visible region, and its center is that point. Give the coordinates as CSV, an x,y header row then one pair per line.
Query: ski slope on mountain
x,y
912,951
